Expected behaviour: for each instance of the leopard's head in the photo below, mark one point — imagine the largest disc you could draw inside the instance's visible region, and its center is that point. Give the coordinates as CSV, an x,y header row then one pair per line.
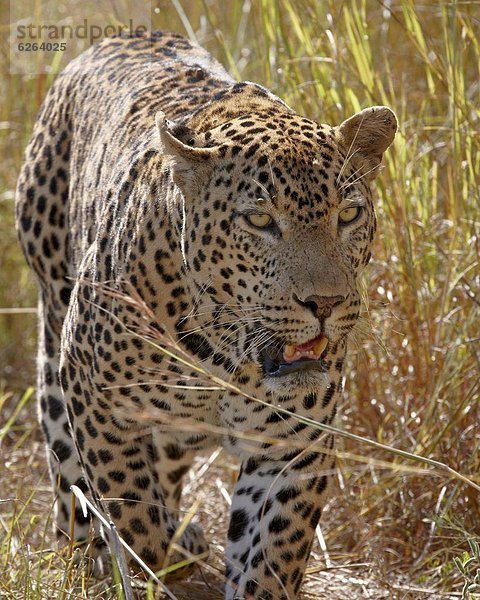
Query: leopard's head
x,y
275,222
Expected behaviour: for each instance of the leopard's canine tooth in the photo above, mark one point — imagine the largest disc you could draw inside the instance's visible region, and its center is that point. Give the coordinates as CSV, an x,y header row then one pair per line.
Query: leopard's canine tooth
x,y
320,346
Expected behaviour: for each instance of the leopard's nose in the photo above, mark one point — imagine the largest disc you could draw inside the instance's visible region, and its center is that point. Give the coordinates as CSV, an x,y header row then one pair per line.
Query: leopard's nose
x,y
321,306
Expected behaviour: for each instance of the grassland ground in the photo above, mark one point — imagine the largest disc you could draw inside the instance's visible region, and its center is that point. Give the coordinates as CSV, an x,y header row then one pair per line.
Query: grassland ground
x,y
36,564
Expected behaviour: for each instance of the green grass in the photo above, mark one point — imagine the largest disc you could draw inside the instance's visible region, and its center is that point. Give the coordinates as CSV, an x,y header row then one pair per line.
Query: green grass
x,y
413,378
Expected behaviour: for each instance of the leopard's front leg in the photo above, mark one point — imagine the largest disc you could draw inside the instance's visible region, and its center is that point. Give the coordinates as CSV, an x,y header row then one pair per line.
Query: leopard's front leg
x,y
275,510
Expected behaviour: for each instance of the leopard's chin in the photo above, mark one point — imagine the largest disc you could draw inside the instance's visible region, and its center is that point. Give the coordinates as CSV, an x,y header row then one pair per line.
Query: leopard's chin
x,y
295,381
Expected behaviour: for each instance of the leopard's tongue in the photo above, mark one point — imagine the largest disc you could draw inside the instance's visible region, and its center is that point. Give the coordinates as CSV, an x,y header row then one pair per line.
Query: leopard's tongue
x,y
312,349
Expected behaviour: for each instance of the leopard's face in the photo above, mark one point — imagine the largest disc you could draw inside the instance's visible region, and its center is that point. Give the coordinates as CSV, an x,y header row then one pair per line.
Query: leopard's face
x,y
275,236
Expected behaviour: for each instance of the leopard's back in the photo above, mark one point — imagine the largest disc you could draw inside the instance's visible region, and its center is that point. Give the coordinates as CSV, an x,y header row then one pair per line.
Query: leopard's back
x,y
97,117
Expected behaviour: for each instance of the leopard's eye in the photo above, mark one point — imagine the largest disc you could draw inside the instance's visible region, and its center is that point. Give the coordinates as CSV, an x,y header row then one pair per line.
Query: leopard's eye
x,y
259,220
348,215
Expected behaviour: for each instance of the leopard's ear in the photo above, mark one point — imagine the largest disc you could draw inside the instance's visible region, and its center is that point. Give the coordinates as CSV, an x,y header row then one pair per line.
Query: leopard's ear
x,y
183,148
366,136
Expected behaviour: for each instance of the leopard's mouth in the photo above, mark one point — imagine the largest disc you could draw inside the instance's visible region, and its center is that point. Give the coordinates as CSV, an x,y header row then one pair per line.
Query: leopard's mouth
x,y
293,358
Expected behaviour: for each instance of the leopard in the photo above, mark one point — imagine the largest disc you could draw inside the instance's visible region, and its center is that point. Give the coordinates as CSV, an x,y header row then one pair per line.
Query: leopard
x,y
197,245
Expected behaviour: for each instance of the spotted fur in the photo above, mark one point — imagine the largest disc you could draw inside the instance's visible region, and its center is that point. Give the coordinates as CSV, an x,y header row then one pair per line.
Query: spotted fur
x,y
114,198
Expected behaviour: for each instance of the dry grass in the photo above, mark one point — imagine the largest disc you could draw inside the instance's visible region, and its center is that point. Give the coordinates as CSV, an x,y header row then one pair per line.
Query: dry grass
x,y
413,378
